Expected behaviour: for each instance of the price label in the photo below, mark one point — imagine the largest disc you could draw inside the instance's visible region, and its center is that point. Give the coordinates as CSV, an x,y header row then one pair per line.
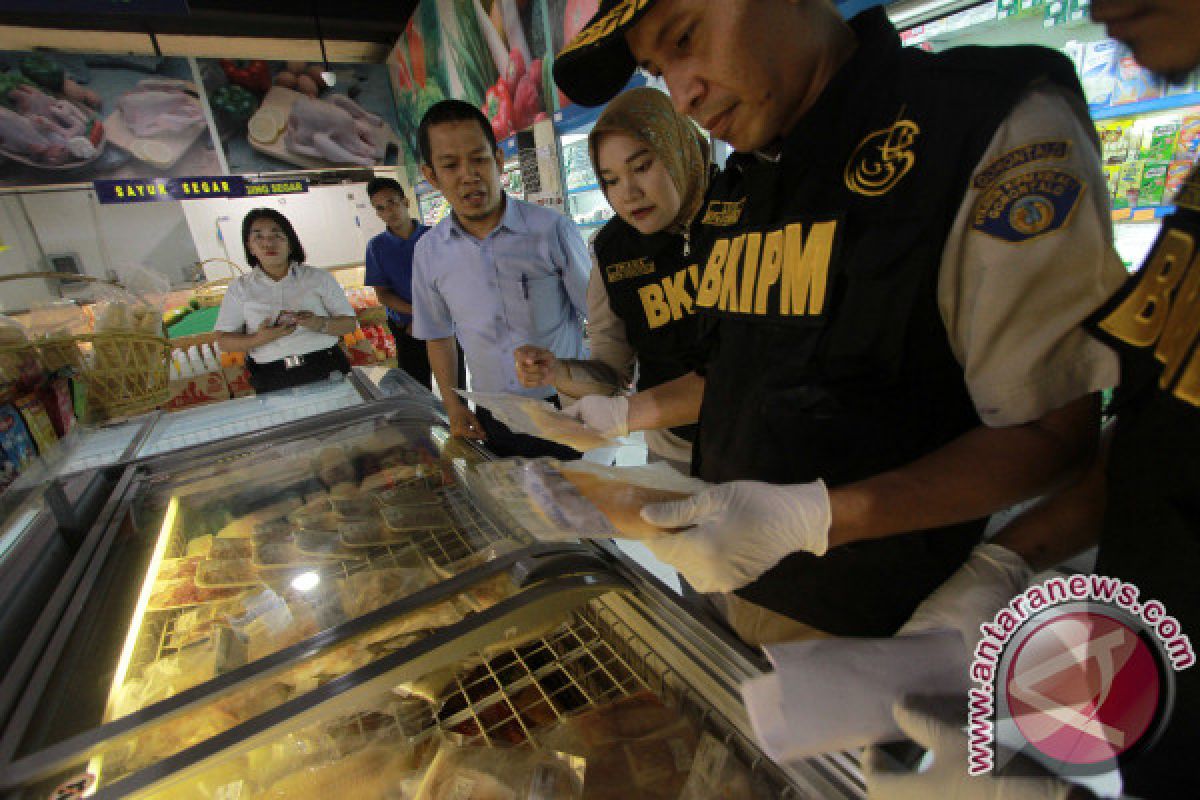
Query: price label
x,y
75,787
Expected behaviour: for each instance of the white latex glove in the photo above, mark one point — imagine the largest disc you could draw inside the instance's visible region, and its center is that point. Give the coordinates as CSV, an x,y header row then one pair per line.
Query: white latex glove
x,y
742,529
947,776
607,416
991,576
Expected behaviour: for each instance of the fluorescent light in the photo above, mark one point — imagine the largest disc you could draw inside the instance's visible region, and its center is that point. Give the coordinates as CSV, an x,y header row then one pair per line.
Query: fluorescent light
x,y
909,13
330,77
305,581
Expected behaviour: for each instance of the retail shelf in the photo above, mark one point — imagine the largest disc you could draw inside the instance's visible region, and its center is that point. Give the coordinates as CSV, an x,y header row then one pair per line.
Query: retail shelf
x,y
1141,213
1146,106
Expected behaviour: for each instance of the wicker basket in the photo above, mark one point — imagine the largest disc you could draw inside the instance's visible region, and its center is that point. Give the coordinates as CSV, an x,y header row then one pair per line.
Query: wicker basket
x,y
211,293
126,372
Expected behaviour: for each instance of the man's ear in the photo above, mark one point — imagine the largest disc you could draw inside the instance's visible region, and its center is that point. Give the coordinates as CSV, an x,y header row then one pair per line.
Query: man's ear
x,y
430,176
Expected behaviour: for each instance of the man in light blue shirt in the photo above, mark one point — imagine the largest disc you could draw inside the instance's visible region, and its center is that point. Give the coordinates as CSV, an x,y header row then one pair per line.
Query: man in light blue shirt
x,y
497,273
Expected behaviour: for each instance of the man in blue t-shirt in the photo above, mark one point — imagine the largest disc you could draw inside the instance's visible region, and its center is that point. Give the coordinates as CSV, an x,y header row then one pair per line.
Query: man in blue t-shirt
x,y
389,272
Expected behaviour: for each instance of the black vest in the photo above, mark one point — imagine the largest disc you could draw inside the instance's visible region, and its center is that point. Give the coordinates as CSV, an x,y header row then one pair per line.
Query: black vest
x,y
650,288
829,355
1151,535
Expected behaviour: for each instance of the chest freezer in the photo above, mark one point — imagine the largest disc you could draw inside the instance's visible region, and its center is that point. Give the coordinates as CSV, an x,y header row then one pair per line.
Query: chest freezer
x,y
319,601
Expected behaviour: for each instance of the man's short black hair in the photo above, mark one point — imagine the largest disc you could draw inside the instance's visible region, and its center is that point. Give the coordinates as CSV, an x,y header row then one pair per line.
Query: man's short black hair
x,y
379,184
451,111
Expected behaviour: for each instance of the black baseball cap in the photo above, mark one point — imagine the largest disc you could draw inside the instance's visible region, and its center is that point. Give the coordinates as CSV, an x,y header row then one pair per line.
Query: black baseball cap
x,y
596,64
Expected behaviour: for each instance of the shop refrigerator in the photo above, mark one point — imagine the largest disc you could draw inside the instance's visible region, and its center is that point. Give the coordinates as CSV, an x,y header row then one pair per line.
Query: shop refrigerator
x,y
158,432
1149,131
338,605
586,204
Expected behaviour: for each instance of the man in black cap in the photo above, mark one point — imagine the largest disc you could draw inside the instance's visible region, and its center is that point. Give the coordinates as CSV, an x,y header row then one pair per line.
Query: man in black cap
x,y
895,266
1141,504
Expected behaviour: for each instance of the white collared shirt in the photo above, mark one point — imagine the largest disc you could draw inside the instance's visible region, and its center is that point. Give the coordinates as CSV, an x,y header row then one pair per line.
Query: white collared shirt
x,y
255,299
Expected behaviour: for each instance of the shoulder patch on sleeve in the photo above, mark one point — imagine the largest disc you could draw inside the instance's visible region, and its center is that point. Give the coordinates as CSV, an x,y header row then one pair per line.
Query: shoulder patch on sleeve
x,y
1018,157
1027,206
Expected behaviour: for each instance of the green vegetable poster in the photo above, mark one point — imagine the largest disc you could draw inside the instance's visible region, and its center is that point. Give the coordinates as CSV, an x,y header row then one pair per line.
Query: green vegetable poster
x,y
496,54
277,116
70,118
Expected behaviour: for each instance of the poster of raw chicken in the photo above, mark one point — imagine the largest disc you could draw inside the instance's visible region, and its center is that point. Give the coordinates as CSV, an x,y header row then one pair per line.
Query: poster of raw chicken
x,y
495,54
277,116
69,118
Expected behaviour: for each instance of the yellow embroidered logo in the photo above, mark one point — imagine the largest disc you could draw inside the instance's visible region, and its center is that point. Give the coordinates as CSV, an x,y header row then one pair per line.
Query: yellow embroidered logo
x,y
776,273
670,299
1162,310
882,159
628,269
620,14
723,213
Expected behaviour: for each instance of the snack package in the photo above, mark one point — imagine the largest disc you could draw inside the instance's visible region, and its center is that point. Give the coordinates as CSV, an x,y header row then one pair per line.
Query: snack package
x,y
41,429
1159,142
1134,84
55,395
15,440
226,573
1154,182
717,774
539,418
1177,173
1115,137
1098,71
464,772
1129,184
1187,142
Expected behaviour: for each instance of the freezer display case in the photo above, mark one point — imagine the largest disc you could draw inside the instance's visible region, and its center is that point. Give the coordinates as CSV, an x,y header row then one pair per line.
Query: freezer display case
x,y
346,611
586,203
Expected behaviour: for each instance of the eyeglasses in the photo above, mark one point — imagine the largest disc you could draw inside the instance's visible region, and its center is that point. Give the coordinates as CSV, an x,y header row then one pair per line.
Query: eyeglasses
x,y
259,236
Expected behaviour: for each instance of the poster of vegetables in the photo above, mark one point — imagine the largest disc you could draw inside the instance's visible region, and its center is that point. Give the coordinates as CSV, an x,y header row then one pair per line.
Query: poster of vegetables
x,y
496,54
70,118
275,116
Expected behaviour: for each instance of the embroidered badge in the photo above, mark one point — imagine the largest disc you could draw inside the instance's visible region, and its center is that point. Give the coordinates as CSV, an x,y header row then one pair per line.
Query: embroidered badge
x,y
620,14
882,159
1019,157
723,213
623,270
1027,206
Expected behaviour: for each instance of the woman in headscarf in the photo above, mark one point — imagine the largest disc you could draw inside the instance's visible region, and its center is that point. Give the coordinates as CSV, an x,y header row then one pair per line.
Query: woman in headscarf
x,y
653,166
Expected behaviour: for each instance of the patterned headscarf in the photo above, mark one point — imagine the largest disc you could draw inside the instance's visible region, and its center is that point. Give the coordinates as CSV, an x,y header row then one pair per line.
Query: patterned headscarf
x,y
646,114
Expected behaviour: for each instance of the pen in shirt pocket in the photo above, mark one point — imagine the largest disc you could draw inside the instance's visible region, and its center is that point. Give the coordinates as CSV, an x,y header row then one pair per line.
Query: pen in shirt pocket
x,y
525,285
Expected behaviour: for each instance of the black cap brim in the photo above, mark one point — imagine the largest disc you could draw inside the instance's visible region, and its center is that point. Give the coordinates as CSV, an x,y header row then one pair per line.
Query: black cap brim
x,y
594,66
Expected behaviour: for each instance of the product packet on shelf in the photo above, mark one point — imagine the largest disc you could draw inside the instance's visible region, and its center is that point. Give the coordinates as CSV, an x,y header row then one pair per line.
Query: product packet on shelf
x,y
415,518
466,772
369,589
225,573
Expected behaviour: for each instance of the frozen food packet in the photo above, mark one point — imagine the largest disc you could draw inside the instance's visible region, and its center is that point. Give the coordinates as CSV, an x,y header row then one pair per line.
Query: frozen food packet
x,y
717,774
582,499
370,773
541,419
467,772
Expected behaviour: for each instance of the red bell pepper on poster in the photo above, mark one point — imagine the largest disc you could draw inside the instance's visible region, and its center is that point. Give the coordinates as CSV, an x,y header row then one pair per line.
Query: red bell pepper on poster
x,y
259,75
416,51
516,69
526,104
497,107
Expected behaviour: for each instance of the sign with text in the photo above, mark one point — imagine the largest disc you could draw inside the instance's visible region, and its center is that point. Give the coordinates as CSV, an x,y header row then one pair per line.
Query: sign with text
x,y
195,188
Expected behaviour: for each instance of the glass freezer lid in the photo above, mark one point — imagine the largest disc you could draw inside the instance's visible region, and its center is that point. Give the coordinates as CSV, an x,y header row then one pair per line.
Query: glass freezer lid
x,y
234,568
582,709
193,426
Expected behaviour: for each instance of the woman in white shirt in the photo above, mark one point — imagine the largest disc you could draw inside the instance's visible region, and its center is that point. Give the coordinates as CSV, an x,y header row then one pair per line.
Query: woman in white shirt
x,y
286,315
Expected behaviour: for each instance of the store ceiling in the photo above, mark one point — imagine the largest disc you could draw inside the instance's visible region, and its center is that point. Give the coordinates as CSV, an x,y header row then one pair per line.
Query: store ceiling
x,y
346,20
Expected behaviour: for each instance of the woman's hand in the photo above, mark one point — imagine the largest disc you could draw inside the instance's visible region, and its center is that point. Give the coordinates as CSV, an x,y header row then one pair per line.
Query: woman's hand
x,y
536,366
309,320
